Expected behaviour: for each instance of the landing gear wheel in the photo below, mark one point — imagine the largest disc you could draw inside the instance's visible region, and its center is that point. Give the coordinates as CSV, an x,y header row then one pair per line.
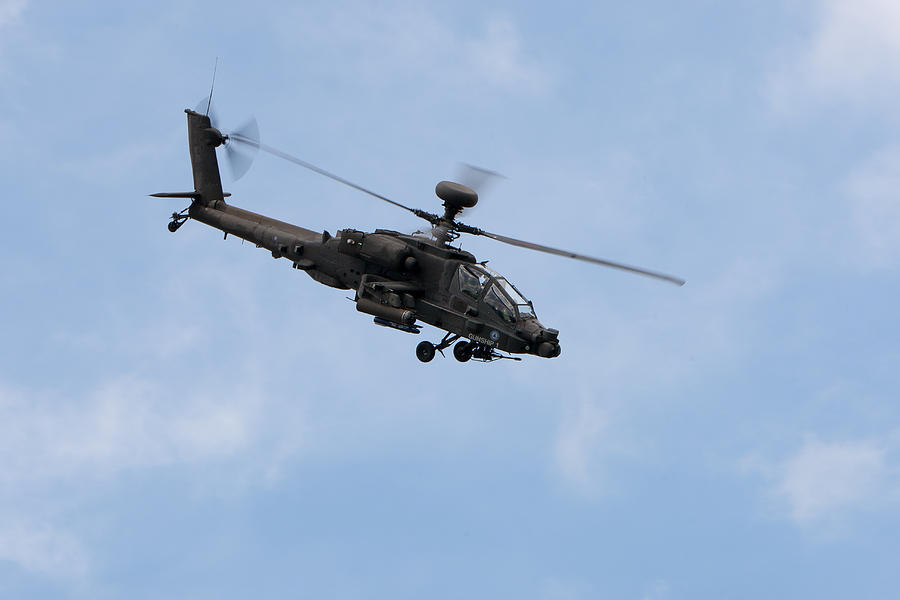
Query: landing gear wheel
x,y
178,219
462,351
425,351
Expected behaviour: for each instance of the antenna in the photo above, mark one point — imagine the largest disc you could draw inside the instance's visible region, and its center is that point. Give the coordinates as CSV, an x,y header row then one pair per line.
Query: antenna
x,y
209,103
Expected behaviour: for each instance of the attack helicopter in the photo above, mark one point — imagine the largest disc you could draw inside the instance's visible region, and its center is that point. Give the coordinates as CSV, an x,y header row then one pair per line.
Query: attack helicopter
x,y
400,280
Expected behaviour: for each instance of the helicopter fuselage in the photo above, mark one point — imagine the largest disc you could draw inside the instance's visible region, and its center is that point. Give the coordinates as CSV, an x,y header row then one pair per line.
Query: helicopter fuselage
x,y
400,280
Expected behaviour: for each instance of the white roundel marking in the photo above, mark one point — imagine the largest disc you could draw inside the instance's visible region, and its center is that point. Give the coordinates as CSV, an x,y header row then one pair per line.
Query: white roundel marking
x,y
495,335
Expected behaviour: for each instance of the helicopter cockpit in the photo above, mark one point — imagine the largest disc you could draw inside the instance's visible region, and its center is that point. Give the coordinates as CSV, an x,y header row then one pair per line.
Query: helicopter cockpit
x,y
494,291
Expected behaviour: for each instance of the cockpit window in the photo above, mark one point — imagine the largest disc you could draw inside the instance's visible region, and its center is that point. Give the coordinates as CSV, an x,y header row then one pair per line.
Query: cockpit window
x,y
524,306
502,296
500,303
511,291
471,282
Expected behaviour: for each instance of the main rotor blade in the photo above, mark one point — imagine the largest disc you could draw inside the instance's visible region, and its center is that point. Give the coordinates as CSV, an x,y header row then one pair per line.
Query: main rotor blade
x,y
590,259
297,161
477,178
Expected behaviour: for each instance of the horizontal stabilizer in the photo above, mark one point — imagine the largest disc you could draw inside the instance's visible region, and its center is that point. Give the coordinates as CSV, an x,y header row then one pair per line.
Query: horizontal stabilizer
x,y
192,195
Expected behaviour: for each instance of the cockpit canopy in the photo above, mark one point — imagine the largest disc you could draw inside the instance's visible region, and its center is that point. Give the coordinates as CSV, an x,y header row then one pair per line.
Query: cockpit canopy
x,y
491,288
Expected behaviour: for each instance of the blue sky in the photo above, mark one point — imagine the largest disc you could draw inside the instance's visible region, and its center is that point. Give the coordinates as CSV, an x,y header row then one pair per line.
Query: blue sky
x,y
185,417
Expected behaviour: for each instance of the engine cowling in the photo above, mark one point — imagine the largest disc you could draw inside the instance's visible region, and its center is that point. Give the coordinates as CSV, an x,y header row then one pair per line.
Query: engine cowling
x,y
378,248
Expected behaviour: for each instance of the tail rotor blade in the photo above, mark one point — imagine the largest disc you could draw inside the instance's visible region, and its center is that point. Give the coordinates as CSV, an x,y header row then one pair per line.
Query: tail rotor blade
x,y
248,133
239,161
206,107
241,157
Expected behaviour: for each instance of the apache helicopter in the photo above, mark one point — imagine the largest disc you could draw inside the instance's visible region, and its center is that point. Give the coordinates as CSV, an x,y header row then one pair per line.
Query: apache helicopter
x,y
398,279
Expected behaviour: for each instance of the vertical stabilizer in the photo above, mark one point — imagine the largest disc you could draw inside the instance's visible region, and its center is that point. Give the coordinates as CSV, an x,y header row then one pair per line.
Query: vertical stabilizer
x,y
203,139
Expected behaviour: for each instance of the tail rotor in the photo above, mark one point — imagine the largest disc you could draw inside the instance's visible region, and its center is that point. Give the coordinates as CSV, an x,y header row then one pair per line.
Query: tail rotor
x,y
241,144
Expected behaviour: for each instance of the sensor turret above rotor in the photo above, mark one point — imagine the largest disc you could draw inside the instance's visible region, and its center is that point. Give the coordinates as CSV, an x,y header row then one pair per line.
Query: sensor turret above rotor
x,y
456,194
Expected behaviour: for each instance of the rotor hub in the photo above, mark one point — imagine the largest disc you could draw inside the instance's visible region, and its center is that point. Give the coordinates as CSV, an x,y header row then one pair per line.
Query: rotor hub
x,y
216,138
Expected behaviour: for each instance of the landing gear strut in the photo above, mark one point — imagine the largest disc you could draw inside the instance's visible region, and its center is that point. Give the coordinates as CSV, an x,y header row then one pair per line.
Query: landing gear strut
x,y
425,350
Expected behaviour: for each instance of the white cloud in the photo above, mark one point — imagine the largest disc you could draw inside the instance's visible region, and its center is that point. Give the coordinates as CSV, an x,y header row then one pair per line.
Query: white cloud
x,y
40,548
823,479
11,11
563,589
499,58
125,423
387,44
823,484
658,590
580,442
58,449
873,193
112,166
707,326
852,55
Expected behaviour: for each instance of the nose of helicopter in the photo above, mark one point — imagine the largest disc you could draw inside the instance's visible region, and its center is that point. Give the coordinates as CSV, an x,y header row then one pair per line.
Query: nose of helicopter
x,y
547,341
549,349
541,340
